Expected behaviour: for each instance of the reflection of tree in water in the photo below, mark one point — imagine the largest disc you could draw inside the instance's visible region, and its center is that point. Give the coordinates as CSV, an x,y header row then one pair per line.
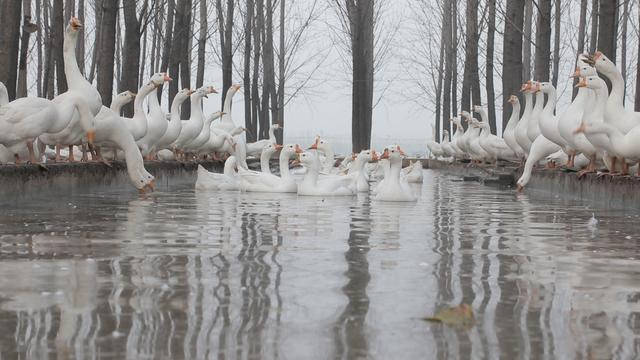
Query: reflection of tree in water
x,y
349,330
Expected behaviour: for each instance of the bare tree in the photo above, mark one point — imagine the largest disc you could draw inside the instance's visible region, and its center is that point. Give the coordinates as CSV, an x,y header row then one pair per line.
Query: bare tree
x,y
449,54
269,100
106,54
358,17
593,39
607,28
512,53
250,122
454,64
80,48
623,48
471,77
491,94
281,72
526,46
581,35
97,9
57,43
225,29
27,28
202,43
49,70
168,45
9,44
39,44
556,44
636,104
543,41
179,46
256,113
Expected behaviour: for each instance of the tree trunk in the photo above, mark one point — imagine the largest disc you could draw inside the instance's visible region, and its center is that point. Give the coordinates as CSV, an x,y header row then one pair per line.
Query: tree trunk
x,y
361,19
106,54
512,54
80,49
636,104
449,53
143,60
225,28
441,62
131,53
607,26
269,71
27,28
40,69
471,78
202,43
69,9
180,33
491,94
49,85
556,44
97,7
255,95
454,63
249,121
593,40
9,44
185,61
527,39
168,46
543,41
581,35
57,34
623,49
281,74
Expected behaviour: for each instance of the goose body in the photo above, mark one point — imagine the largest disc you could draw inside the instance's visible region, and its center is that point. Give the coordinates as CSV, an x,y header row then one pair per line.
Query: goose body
x,y
395,187
255,181
520,131
255,148
311,185
228,180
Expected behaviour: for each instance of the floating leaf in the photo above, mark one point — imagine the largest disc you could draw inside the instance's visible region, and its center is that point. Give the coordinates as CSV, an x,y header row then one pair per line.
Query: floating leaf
x,y
458,316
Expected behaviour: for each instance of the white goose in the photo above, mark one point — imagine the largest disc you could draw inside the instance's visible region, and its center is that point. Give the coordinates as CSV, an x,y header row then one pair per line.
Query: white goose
x,y
358,172
447,149
226,122
495,147
434,147
395,187
456,138
4,95
311,185
137,125
533,128
509,133
221,141
191,128
542,146
255,148
175,123
228,180
414,172
255,181
572,118
201,140
323,146
76,131
521,129
156,125
112,132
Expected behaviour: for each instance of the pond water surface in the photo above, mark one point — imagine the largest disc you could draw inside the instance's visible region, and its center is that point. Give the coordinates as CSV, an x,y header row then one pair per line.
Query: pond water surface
x,y
194,275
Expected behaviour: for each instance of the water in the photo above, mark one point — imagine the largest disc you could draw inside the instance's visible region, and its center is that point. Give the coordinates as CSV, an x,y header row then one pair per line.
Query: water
x,y
181,274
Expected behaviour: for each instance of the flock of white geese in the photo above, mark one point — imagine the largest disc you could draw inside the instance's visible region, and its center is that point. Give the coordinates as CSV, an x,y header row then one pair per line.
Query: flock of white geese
x,y
595,131
77,118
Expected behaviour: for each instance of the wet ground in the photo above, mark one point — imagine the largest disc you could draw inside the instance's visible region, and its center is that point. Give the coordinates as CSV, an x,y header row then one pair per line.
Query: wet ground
x,y
185,274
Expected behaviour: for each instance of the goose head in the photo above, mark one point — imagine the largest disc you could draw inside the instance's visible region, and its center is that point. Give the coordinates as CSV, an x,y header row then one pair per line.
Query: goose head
x,y
513,100
320,144
123,98
183,95
292,150
368,155
545,87
309,160
277,126
202,92
74,25
602,63
526,87
584,70
271,149
465,115
477,108
592,82
395,152
237,130
159,78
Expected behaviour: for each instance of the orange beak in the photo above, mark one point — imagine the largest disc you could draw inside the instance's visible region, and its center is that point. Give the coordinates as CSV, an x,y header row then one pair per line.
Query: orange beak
x,y
597,55
580,129
353,156
75,23
237,87
191,92
91,136
575,73
212,90
314,146
374,156
524,87
582,83
299,149
167,77
279,147
385,154
401,151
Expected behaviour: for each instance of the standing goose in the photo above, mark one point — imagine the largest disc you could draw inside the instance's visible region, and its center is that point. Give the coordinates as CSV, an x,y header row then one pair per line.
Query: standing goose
x,y
191,128
4,95
509,133
255,148
156,125
521,129
434,147
263,182
533,127
175,123
394,187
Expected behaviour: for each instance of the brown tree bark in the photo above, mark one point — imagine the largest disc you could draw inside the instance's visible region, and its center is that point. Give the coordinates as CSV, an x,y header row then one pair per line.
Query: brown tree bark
x,y
106,54
97,9
441,62
543,41
623,46
131,51
202,43
168,46
27,28
281,73
269,100
9,45
178,67
471,78
527,39
80,49
636,104
454,62
556,43
49,70
512,53
39,44
256,113
491,94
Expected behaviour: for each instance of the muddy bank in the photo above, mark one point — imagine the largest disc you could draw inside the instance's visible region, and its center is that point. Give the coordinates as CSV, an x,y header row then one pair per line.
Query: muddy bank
x,y
609,191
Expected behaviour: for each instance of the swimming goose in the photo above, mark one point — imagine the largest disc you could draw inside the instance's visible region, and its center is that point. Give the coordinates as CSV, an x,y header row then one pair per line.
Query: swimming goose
x,y
311,185
509,134
175,123
256,181
394,187
255,148
228,180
